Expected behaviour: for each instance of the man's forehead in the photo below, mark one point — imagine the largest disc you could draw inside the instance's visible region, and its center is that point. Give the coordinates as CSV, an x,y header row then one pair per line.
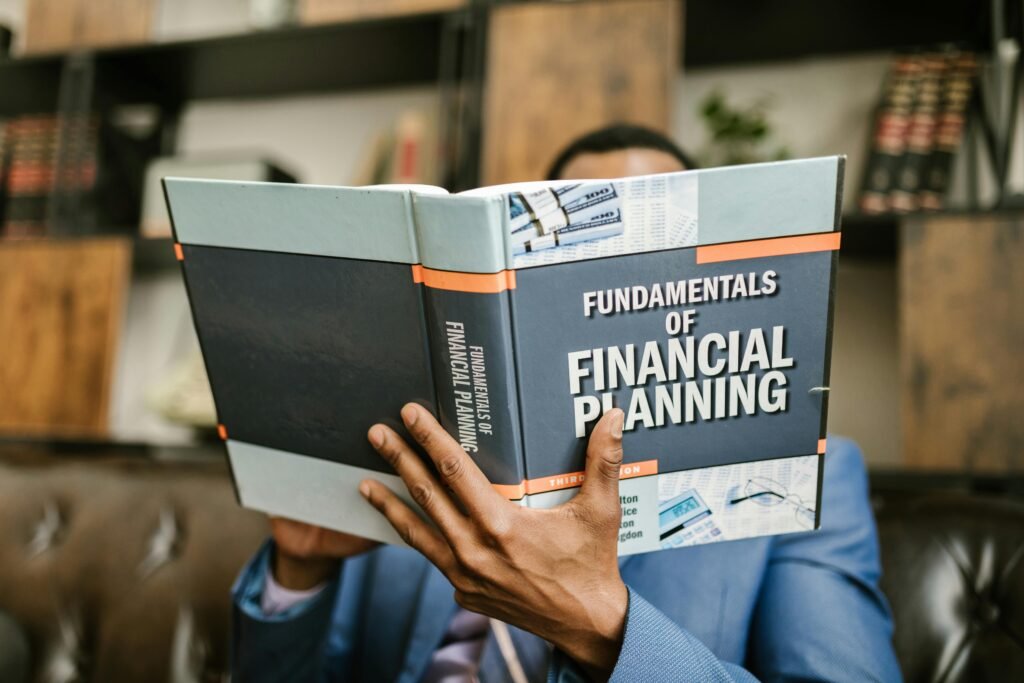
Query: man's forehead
x,y
621,163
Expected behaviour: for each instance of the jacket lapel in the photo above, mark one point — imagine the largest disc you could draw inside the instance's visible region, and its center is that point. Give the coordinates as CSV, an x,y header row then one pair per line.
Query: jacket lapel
x,y
434,611
391,614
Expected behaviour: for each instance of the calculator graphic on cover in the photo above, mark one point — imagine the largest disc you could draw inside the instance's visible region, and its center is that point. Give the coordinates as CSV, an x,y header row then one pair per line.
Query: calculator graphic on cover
x,y
686,520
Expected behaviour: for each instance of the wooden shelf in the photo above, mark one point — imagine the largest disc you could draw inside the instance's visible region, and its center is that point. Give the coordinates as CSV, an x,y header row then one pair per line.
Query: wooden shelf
x,y
366,54
721,33
29,85
153,253
870,238
406,50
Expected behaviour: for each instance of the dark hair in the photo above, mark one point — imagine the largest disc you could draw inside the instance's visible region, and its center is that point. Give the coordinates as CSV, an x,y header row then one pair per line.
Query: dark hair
x,y
614,138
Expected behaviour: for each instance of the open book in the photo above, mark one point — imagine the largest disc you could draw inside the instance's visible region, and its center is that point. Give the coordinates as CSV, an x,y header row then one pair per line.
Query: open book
x,y
699,302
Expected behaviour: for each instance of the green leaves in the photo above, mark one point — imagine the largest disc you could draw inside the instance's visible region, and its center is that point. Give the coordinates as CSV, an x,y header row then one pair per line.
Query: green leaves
x,y
738,135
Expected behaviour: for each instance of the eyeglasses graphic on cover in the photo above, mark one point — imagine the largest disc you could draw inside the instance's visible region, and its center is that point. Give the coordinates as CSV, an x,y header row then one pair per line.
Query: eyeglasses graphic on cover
x,y
768,493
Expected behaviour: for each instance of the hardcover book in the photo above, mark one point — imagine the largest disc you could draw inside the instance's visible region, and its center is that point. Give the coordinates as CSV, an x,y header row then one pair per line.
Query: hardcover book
x,y
699,302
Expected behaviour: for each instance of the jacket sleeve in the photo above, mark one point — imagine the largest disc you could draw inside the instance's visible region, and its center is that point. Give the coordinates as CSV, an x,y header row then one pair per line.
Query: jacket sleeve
x,y
655,650
820,614
292,645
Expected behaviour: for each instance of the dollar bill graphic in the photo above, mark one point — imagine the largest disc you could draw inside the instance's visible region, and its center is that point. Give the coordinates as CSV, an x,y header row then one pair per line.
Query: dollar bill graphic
x,y
606,224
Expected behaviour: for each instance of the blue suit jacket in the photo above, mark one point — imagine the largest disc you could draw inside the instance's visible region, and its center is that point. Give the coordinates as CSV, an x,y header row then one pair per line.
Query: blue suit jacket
x,y
798,607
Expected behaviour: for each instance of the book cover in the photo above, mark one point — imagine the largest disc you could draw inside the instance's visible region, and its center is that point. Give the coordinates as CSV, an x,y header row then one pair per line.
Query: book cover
x,y
698,302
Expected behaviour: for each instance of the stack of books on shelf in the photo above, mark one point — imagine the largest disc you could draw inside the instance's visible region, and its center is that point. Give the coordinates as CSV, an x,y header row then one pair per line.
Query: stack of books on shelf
x,y
918,130
3,171
49,162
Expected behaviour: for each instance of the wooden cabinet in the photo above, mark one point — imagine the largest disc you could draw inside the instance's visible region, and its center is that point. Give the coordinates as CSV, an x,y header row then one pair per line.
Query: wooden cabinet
x,y
961,283
558,70
61,304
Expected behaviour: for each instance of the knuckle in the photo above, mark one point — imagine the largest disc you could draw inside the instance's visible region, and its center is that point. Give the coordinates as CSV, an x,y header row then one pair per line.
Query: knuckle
x,y
463,599
408,533
461,583
390,451
498,528
423,494
474,561
451,468
423,436
609,467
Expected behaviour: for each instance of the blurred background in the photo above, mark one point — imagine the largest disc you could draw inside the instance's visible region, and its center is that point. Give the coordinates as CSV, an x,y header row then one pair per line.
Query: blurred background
x,y
102,387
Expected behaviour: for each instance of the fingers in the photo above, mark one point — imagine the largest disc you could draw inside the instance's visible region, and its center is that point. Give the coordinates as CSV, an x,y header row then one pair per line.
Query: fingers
x,y
422,485
604,461
457,469
410,526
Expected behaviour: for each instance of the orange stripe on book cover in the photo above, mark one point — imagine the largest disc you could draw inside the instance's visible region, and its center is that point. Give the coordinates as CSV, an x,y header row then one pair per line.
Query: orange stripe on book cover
x,y
570,480
179,253
510,491
821,446
779,246
222,432
477,283
574,479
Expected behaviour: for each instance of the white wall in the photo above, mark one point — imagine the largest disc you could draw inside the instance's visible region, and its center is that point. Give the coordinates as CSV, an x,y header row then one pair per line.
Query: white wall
x,y
819,107
322,139
12,15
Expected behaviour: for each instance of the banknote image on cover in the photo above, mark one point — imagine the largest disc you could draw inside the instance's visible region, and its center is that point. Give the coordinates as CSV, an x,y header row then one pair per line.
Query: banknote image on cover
x,y
591,219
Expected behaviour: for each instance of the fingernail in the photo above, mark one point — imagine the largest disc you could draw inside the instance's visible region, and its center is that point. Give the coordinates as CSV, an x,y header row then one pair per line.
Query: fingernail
x,y
364,489
617,419
377,436
409,414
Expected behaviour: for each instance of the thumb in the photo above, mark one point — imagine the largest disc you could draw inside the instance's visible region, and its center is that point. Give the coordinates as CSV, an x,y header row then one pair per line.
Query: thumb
x,y
604,460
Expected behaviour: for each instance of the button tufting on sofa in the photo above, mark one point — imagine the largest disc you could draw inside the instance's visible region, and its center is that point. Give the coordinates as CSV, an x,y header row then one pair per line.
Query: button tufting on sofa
x,y
101,559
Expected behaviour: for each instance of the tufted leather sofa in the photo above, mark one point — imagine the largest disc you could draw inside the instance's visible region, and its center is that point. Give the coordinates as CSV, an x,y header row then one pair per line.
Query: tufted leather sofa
x,y
120,569
954,575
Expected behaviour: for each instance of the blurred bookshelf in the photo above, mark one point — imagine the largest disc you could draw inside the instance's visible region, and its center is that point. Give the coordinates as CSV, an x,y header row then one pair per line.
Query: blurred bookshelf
x,y
277,62
406,49
456,50
795,29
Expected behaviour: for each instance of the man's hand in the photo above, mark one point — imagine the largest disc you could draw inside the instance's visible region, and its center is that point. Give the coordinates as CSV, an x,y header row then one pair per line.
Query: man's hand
x,y
308,555
552,572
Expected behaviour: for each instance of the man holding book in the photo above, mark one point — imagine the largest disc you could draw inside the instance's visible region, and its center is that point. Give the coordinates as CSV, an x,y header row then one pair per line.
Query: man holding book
x,y
493,591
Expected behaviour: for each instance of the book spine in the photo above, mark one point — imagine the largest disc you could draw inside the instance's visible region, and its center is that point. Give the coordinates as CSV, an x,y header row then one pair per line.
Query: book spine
x,y
467,292
957,87
920,137
32,142
4,138
889,136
